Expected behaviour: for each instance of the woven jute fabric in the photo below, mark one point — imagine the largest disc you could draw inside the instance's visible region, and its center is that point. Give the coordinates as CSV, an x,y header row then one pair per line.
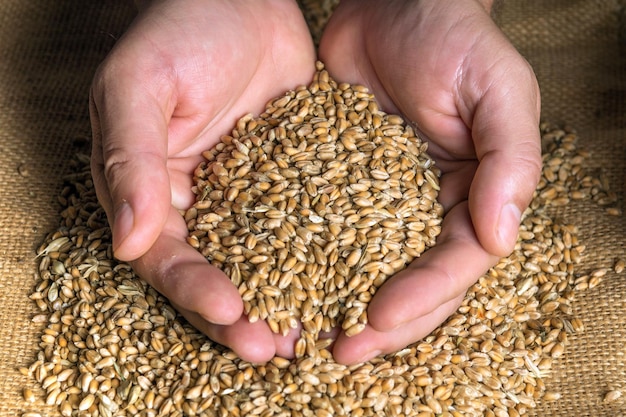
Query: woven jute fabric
x,y
50,50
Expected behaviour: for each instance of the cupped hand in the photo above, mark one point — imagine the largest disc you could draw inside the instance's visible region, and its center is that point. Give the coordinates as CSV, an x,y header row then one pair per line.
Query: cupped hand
x,y
448,69
177,80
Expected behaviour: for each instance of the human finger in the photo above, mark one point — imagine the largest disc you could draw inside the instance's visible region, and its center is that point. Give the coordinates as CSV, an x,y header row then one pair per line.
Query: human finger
x,y
505,130
129,163
186,278
441,274
371,342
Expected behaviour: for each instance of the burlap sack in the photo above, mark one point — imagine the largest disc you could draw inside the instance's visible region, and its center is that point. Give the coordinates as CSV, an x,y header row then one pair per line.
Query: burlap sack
x,y
49,51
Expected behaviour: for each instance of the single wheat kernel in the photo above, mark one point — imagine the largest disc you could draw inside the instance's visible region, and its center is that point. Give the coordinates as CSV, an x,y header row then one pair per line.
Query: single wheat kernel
x,y
28,395
613,211
612,396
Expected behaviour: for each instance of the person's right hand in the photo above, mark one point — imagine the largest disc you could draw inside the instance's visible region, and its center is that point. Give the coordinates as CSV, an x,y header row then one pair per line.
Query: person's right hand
x,y
178,79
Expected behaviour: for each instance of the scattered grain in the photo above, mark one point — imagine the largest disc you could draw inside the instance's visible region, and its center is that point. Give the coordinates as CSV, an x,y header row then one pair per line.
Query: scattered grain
x,y
111,345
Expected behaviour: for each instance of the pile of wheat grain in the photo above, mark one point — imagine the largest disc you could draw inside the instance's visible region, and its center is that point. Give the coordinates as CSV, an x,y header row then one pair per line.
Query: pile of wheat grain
x,y
311,206
112,346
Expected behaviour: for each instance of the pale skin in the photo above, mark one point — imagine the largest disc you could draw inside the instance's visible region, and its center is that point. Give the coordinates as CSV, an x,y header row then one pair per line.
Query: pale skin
x,y
186,71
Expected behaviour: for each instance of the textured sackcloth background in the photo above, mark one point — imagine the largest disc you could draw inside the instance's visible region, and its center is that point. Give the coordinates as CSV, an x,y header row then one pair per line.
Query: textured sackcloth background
x,y
50,49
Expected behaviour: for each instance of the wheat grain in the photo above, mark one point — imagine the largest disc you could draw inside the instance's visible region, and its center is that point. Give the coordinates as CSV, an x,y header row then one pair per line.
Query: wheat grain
x,y
111,345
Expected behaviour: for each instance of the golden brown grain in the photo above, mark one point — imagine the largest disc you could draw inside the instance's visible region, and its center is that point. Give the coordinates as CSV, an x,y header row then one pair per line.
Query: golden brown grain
x,y
28,395
612,396
111,345
297,231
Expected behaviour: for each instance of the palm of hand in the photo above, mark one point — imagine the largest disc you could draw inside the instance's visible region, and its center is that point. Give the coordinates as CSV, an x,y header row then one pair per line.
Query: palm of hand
x,y
232,66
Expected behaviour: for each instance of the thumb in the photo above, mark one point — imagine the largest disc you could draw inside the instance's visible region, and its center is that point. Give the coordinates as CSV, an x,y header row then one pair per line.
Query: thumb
x,y
508,146
129,165
501,190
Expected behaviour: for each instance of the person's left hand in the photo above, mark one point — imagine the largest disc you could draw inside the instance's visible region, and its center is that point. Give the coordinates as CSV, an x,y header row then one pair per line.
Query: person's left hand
x,y
447,68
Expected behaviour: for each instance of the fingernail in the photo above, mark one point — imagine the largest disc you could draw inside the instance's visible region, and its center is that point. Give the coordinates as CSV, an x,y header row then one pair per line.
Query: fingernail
x,y
123,224
508,227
